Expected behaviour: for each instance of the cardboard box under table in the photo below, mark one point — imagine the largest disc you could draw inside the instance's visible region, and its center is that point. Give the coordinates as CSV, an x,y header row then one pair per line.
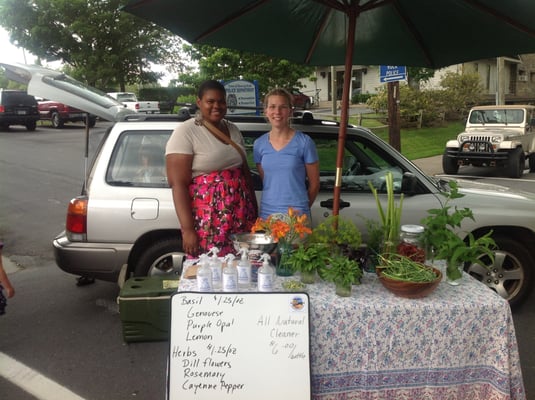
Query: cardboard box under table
x,y
145,308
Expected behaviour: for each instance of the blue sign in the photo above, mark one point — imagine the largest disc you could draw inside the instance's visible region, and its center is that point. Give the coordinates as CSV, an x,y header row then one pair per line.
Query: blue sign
x,y
389,73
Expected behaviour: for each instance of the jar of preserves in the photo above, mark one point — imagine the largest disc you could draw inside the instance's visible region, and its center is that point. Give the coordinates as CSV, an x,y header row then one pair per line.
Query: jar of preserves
x,y
411,243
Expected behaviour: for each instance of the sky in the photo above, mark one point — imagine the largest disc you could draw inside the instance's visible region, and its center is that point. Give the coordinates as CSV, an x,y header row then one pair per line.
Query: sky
x,y
10,53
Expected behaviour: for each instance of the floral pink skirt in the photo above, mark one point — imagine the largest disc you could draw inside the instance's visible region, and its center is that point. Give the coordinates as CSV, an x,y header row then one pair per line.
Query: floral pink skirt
x,y
221,206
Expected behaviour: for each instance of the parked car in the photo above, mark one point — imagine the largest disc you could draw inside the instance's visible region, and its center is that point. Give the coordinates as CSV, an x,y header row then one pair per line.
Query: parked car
x,y
18,108
130,100
500,136
121,222
58,113
121,225
300,99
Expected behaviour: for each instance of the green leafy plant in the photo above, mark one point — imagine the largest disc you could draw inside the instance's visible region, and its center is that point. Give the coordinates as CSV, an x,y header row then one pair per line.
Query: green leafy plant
x,y
340,235
309,258
341,270
375,235
390,219
445,244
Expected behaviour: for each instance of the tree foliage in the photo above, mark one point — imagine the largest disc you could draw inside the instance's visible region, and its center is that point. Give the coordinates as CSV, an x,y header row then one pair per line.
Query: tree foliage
x,y
461,92
457,94
227,64
416,75
98,43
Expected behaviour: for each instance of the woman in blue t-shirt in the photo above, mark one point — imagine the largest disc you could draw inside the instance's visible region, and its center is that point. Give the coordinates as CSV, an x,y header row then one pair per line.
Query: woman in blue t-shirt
x,y
286,159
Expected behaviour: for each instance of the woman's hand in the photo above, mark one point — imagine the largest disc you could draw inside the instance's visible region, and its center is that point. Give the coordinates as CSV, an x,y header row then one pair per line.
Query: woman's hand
x,y
190,242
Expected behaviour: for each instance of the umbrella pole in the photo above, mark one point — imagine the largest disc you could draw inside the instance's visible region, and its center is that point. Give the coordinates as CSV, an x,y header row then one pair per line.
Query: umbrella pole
x,y
344,116
86,151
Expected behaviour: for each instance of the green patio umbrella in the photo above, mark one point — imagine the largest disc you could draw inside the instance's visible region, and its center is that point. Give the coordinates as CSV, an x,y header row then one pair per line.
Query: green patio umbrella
x,y
421,33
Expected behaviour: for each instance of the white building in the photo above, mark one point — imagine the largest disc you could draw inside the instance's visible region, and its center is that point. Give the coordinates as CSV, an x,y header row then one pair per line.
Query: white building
x,y
518,78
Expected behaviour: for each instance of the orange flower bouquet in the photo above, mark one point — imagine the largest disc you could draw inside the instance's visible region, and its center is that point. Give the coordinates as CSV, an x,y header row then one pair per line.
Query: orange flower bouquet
x,y
285,229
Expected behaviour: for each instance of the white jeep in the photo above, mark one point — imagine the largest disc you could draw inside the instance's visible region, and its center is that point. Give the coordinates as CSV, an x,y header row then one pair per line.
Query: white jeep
x,y
494,136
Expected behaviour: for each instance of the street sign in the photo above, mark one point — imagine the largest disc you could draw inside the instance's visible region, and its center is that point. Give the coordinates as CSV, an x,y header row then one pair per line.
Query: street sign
x,y
390,73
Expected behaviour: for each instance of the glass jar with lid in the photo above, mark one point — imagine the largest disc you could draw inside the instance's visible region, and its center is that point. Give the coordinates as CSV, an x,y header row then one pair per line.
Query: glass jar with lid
x,y
411,243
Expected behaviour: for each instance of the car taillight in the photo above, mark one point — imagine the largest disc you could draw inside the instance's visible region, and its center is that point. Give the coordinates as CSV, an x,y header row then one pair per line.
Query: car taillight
x,y
137,106
77,216
2,109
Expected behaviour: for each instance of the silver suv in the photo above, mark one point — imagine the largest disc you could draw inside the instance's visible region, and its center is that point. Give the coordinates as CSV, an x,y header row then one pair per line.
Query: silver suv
x,y
124,220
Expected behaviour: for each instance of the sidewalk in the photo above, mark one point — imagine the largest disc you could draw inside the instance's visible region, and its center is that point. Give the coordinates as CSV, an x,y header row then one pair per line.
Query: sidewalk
x,y
9,266
430,165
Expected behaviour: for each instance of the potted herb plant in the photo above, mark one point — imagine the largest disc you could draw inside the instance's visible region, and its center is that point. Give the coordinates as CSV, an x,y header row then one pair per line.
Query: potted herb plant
x,y
443,242
389,218
343,272
340,235
336,239
308,259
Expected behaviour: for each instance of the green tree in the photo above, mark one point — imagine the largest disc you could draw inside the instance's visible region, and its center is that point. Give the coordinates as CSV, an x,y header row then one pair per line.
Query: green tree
x,y
227,64
101,45
461,92
416,75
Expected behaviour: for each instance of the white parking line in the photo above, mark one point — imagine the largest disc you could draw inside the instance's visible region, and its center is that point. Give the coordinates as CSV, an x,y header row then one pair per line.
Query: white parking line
x,y
32,381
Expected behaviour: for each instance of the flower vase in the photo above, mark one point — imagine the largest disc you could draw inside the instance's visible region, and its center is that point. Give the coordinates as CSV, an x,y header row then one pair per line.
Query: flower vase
x,y
308,277
284,251
454,273
343,289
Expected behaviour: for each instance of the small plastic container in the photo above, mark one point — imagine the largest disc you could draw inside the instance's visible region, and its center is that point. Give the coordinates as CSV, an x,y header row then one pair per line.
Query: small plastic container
x,y
411,243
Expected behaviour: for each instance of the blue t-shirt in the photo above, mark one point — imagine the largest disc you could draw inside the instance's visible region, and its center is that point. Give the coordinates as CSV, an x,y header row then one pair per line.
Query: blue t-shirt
x,y
284,173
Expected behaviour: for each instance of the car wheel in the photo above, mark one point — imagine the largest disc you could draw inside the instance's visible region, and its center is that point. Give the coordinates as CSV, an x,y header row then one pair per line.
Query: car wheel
x,y
531,163
510,275
449,165
31,126
516,163
57,122
164,257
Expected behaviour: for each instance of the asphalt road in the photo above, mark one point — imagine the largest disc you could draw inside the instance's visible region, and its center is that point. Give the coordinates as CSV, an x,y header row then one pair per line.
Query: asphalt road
x,y
73,335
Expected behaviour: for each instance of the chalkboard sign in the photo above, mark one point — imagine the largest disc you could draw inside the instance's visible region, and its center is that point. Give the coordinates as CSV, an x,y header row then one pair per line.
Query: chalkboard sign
x,y
239,346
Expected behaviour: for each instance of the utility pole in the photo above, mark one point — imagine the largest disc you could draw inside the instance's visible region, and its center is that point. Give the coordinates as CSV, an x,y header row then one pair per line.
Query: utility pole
x,y
333,90
500,81
394,136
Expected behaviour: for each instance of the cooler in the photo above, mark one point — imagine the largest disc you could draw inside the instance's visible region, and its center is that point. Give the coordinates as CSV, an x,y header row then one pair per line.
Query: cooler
x,y
145,308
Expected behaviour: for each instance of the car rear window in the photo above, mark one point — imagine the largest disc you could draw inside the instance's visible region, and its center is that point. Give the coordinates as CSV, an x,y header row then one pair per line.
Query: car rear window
x,y
18,98
138,159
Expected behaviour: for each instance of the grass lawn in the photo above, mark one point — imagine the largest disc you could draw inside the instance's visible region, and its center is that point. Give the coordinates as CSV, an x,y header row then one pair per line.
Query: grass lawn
x,y
418,143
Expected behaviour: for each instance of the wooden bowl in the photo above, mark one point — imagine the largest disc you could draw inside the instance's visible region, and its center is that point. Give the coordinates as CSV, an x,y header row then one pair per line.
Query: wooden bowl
x,y
410,290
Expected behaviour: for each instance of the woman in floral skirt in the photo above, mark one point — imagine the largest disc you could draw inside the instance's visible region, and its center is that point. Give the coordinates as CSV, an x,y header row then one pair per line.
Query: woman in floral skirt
x,y
210,191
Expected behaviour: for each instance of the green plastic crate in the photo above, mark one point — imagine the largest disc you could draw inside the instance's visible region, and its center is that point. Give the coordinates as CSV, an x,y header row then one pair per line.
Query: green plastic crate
x,y
145,308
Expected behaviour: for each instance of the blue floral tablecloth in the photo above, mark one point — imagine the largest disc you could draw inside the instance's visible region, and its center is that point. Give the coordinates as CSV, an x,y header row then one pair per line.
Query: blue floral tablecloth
x,y
457,343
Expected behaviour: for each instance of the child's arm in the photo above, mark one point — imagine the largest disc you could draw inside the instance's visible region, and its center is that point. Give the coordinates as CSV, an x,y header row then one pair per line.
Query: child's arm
x,y
4,280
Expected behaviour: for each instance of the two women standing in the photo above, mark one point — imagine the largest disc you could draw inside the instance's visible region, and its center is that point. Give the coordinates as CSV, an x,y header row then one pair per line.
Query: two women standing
x,y
210,188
